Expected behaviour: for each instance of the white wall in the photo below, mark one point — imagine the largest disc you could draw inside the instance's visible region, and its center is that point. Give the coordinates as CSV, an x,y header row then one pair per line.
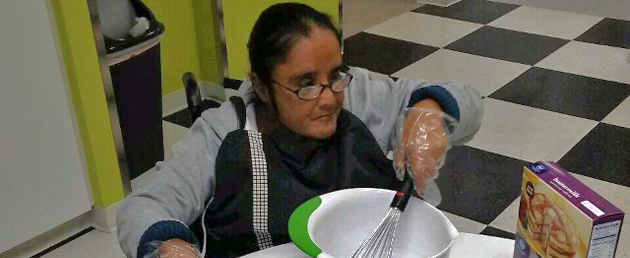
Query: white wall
x,y
42,180
618,9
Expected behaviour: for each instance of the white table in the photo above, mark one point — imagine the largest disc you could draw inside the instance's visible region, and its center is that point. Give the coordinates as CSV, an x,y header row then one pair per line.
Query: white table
x,y
466,246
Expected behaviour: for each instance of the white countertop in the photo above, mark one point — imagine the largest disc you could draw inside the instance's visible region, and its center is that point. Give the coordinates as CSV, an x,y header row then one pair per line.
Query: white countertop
x,y
466,246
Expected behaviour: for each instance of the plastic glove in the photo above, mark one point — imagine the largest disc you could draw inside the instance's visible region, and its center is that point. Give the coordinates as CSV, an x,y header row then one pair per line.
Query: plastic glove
x,y
174,248
423,140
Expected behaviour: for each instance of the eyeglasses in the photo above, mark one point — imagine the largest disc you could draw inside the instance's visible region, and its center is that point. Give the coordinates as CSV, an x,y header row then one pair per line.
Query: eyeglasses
x,y
336,85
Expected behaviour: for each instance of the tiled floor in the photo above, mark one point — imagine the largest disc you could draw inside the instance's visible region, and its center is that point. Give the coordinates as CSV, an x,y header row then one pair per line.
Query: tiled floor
x,y
405,27
528,133
592,60
485,74
546,22
477,11
359,15
556,87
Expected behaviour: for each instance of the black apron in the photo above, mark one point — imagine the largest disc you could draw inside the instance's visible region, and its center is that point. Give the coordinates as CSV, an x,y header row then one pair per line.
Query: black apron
x,y
262,178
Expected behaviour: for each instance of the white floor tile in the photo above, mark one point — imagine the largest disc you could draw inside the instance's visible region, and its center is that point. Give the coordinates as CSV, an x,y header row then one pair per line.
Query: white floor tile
x,y
546,22
424,29
507,219
620,116
95,244
484,74
465,225
172,134
592,60
528,133
359,15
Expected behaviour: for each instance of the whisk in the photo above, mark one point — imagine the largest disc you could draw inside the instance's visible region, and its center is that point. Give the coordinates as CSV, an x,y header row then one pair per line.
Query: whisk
x,y
380,243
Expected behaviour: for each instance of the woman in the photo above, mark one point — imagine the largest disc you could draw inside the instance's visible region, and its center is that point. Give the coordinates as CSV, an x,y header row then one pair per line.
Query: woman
x,y
305,125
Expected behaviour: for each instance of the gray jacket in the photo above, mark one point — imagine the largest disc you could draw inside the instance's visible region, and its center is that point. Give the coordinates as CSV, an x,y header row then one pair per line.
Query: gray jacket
x,y
179,189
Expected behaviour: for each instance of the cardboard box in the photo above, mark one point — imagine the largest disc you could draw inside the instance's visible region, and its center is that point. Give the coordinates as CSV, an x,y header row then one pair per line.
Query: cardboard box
x,y
560,217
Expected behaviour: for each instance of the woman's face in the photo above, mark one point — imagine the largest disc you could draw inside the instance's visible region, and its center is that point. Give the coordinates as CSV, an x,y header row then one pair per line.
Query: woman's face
x,y
312,60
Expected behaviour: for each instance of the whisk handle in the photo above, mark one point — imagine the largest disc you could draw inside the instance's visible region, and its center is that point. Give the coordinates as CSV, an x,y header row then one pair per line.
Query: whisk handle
x,y
402,197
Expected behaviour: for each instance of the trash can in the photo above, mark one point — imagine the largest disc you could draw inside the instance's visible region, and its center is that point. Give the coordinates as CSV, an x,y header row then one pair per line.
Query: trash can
x,y
132,39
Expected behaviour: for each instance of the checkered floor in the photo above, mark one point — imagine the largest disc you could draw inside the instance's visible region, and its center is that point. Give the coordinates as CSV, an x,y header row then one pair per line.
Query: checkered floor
x,y
556,87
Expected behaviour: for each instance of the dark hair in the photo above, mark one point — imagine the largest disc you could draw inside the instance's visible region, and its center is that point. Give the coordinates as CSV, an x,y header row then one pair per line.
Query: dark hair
x,y
277,30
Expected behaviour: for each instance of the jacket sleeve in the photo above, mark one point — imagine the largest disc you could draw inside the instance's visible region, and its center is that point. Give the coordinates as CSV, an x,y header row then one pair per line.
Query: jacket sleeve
x,y
175,196
378,102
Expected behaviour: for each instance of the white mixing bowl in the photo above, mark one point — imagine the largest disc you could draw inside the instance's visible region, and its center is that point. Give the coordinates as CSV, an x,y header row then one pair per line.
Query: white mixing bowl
x,y
335,224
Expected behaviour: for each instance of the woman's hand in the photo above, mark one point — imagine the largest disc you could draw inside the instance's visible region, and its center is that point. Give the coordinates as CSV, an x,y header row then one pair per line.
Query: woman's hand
x,y
174,248
423,142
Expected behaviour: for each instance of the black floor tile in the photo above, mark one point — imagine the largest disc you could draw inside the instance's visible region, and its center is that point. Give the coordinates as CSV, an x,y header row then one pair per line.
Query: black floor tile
x,y
492,231
608,32
604,154
230,83
182,117
479,185
208,104
478,11
508,45
381,54
564,93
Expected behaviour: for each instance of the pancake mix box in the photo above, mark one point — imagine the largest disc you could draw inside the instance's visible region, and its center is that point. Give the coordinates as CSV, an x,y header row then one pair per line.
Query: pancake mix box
x,y
560,217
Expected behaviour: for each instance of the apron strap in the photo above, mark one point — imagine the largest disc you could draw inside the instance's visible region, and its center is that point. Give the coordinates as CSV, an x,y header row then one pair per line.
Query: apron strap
x,y
241,111
259,172
260,191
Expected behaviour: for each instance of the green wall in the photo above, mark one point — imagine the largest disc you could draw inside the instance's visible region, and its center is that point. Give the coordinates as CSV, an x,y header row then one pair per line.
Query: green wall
x,y
207,40
179,44
84,77
239,19
189,43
